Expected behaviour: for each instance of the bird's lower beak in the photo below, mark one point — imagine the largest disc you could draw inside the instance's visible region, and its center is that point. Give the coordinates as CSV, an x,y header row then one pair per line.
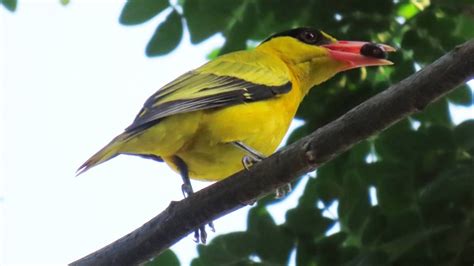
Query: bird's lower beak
x,y
358,54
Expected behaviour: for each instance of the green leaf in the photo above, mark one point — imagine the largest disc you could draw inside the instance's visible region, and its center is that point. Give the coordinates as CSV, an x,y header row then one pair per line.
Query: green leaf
x,y
213,54
407,10
439,137
394,188
9,4
370,173
305,254
404,66
397,146
369,258
435,113
273,245
227,249
65,2
399,246
425,49
309,197
328,184
207,17
167,36
240,29
138,11
464,135
307,221
461,96
452,185
167,258
332,250
233,243
464,27
374,227
401,223
198,261
354,203
358,153
235,41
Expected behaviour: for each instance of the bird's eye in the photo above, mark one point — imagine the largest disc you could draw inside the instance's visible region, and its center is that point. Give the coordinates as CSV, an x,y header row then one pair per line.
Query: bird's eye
x,y
309,37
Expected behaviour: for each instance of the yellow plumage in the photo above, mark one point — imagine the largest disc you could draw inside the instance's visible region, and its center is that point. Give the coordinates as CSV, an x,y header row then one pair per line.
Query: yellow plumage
x,y
246,96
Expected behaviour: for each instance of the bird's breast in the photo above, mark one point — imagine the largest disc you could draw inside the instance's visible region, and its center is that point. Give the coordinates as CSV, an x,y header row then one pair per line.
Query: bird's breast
x,y
260,125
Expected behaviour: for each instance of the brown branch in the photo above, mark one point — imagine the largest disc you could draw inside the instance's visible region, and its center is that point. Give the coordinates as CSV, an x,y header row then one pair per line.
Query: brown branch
x,y
376,114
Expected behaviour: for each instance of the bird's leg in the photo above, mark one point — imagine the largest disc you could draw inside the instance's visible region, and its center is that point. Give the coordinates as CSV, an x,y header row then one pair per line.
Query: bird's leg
x,y
252,157
282,191
200,234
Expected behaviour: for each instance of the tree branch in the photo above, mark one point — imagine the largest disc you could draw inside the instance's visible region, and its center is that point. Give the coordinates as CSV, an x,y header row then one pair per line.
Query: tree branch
x,y
376,114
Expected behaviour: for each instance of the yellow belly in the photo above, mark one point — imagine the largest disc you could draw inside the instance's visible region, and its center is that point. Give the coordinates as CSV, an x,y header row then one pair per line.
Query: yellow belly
x,y
211,156
203,138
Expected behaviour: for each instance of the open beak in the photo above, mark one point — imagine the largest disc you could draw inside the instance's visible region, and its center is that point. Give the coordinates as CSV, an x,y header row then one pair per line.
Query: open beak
x,y
358,54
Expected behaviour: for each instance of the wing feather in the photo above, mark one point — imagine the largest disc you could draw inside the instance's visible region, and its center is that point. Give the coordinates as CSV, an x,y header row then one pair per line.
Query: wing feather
x,y
201,89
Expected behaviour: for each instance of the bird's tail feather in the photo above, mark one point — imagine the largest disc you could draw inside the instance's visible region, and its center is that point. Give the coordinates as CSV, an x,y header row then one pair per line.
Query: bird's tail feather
x,y
106,153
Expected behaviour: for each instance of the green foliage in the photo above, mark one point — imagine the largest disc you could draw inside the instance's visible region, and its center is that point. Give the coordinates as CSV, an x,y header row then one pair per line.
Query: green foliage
x,y
139,11
9,4
205,18
422,168
167,258
167,36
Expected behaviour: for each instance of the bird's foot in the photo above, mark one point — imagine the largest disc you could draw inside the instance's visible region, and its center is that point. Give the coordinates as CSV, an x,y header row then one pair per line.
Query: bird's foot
x,y
200,234
249,161
252,157
282,191
248,203
187,190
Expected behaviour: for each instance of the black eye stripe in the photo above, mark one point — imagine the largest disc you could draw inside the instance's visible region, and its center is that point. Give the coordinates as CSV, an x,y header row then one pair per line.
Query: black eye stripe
x,y
306,35
309,37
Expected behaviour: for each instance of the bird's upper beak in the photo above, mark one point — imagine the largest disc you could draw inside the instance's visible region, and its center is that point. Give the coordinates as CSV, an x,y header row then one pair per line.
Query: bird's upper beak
x,y
358,54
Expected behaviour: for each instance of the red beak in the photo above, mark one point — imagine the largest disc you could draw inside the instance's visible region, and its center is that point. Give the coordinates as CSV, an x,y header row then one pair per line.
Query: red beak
x,y
358,54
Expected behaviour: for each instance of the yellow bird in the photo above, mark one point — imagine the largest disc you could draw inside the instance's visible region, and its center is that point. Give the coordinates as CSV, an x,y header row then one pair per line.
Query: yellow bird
x,y
233,111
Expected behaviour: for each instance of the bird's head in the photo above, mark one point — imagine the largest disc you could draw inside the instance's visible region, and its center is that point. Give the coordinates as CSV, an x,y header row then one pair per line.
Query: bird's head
x,y
314,56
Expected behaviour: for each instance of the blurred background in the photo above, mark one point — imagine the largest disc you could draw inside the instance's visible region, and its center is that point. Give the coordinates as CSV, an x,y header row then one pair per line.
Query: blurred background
x,y
73,74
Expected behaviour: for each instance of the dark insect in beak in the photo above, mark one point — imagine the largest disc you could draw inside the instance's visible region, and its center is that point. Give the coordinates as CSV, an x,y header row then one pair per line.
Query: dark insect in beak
x,y
358,54
373,50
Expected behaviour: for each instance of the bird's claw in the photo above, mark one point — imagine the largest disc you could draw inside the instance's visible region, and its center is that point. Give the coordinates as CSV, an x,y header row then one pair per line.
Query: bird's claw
x,y
283,191
187,190
248,203
249,161
211,225
200,234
